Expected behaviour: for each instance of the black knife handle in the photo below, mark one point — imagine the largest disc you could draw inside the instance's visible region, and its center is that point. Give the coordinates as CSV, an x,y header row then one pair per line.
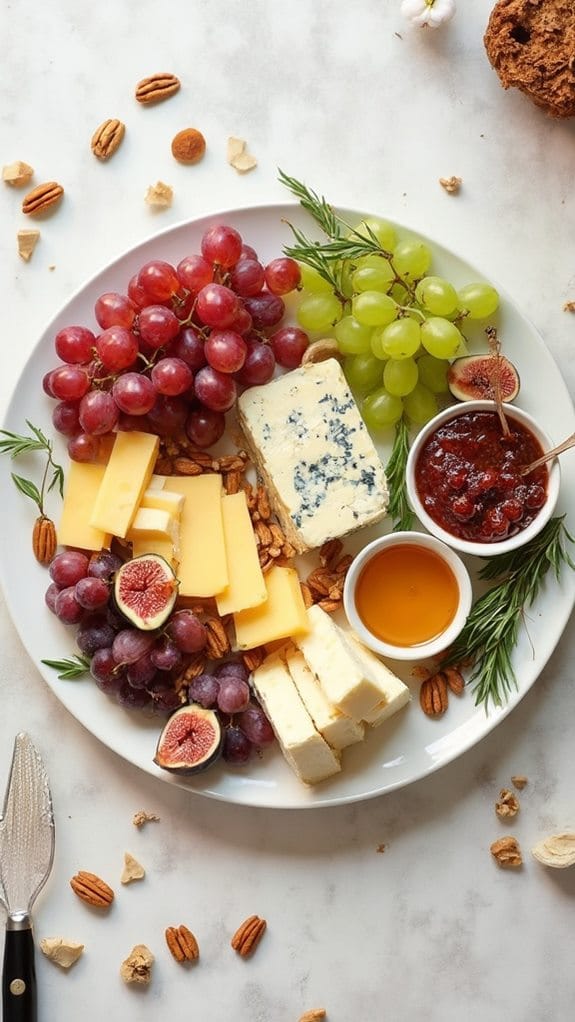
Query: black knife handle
x,y
19,1000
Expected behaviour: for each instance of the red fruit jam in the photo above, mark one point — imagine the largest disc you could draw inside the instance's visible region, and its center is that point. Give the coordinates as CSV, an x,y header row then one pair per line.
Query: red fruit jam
x,y
468,477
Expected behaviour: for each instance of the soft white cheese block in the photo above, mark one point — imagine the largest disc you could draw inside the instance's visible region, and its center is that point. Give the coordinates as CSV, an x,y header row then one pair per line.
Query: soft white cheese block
x,y
305,750
157,482
395,693
163,500
338,730
315,454
346,681
152,522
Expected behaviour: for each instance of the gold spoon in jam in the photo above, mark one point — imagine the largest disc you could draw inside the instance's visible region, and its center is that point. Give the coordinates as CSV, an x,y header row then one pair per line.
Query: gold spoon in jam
x,y
565,446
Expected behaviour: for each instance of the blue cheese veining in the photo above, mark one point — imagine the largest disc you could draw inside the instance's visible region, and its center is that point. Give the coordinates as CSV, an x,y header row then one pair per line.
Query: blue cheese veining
x,y
315,454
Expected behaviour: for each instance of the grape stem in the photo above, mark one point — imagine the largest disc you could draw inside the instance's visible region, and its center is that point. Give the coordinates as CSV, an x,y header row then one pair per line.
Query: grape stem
x,y
399,508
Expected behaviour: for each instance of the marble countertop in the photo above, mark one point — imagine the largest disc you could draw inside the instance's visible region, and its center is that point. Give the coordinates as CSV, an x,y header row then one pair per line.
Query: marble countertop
x,y
372,112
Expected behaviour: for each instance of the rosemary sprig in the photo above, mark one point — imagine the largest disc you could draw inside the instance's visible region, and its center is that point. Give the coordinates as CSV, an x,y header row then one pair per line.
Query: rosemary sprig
x,y
53,476
491,631
71,668
399,508
320,210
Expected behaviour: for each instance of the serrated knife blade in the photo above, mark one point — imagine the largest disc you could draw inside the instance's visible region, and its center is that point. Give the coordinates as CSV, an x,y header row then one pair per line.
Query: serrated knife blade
x,y
26,856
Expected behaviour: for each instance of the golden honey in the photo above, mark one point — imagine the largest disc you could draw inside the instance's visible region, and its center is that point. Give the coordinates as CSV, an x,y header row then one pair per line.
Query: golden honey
x,y
406,595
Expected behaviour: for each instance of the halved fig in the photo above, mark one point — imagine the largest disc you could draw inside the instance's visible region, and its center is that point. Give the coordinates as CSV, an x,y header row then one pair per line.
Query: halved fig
x,y
473,377
190,741
145,590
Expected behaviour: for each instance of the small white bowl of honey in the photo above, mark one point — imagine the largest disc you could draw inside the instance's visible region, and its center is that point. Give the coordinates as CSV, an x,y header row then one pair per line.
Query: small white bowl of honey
x,y
407,595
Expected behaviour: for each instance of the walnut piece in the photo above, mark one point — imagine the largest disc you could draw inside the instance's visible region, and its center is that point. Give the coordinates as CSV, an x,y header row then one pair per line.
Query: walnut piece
x,y
61,951
137,967
17,173
159,195
507,853
238,156
27,241
451,184
142,817
133,870
557,851
519,781
507,805
569,307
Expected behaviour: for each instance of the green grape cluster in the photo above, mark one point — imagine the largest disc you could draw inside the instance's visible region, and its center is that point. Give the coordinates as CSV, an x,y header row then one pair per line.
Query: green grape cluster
x,y
397,325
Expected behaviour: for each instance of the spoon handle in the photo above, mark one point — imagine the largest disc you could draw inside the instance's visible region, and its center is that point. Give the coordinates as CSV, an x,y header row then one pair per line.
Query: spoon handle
x,y
565,446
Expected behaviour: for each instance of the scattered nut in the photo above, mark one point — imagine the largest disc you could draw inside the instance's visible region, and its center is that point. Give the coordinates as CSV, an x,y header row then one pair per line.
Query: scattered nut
x,y
451,184
433,697
160,195
91,889
507,804
557,851
27,241
238,156
507,853
156,88
142,817
42,198
182,944
569,307
17,174
454,679
314,1015
519,781
381,849
247,937
44,539
188,146
133,870
61,951
107,138
137,967
318,351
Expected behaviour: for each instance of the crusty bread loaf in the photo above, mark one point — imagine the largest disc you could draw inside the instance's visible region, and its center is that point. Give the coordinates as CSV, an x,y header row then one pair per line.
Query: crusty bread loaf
x,y
531,45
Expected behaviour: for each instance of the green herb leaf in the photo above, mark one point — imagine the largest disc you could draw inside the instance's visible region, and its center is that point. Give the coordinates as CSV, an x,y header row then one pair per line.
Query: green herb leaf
x,y
492,628
399,508
15,445
28,488
74,667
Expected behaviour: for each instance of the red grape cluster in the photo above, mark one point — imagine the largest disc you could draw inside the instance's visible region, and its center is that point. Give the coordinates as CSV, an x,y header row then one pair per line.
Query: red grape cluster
x,y
139,668
174,350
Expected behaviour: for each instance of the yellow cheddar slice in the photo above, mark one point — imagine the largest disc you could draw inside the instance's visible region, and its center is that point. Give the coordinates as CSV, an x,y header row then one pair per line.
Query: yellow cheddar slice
x,y
127,475
203,569
155,545
163,500
83,481
246,587
283,614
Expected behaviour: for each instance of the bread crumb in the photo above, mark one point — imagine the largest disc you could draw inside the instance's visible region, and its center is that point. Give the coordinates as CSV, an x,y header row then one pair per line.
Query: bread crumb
x,y
142,817
238,156
159,195
27,241
451,184
137,967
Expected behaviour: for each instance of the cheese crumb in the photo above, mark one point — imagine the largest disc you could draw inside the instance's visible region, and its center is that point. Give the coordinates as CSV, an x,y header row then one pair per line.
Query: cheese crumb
x,y
17,174
159,195
133,870
27,241
238,156
61,951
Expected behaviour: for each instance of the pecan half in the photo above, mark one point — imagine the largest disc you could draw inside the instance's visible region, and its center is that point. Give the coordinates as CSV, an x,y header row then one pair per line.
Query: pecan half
x,y
506,853
248,935
454,679
329,553
314,1015
330,606
218,643
232,481
156,87
307,596
107,138
44,540
182,944
254,658
187,467
433,695
507,805
92,889
42,198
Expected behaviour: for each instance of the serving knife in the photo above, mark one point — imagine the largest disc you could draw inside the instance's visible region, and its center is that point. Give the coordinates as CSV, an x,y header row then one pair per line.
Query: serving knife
x,y
26,856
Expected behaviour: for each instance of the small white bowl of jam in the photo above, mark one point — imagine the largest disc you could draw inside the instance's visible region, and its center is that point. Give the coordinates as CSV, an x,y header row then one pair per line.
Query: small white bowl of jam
x,y
407,595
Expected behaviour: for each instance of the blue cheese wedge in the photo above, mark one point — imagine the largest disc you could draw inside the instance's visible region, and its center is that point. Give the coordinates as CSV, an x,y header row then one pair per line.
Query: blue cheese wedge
x,y
305,750
395,695
315,455
350,681
338,730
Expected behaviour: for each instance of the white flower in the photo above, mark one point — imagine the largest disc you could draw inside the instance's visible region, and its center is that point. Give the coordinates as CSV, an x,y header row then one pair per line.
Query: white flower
x,y
428,12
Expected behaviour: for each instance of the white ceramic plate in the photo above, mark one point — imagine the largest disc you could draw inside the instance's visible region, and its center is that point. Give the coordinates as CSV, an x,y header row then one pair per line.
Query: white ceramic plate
x,y
408,746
